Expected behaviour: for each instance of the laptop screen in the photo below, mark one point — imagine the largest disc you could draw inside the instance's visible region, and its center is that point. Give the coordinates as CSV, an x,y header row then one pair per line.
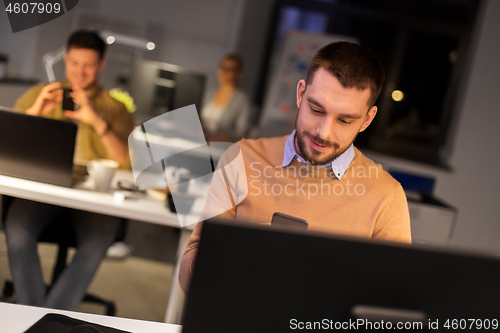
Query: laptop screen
x,y
36,148
251,278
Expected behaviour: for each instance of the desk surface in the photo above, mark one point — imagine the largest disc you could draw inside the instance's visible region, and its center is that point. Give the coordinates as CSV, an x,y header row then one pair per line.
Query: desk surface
x,y
18,318
140,207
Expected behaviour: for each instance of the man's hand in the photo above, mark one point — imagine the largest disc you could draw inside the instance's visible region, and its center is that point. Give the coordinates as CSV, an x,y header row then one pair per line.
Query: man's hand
x,y
45,103
115,148
86,113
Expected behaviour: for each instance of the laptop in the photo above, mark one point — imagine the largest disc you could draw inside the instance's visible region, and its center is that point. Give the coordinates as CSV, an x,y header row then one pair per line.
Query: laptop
x,y
36,148
254,278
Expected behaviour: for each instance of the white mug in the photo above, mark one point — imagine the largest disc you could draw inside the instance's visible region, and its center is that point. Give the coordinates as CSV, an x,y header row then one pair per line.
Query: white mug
x,y
101,171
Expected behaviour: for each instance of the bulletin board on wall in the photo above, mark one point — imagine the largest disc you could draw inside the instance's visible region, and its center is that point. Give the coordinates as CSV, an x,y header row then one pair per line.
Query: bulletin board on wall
x,y
280,106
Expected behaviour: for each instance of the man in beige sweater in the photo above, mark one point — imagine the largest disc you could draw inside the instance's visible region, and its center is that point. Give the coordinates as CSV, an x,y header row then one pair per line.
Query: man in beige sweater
x,y
316,173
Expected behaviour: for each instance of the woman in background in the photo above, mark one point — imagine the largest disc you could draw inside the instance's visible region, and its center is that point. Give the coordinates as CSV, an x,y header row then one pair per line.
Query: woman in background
x,y
225,114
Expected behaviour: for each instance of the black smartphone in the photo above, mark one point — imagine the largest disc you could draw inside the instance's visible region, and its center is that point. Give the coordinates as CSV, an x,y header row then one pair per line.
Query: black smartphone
x,y
67,103
284,220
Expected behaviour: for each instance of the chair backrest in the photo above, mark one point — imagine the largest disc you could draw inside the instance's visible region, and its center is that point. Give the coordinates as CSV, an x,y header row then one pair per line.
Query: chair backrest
x,y
6,200
60,232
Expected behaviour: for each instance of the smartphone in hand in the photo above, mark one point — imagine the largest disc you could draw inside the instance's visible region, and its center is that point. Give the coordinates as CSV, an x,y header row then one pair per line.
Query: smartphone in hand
x,y
284,220
67,103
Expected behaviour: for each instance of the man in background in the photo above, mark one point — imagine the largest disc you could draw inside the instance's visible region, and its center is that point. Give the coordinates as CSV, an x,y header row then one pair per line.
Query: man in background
x,y
103,128
316,173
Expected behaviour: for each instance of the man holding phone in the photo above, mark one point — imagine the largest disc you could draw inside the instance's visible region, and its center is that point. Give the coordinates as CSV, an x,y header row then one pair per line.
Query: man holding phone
x,y
104,123
103,128
316,174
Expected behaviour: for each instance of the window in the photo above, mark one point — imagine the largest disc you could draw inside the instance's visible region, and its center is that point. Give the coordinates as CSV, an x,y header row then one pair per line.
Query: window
x,y
422,45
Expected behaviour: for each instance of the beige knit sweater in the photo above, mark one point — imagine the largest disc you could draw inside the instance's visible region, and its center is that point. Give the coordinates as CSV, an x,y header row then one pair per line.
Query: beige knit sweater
x,y
365,202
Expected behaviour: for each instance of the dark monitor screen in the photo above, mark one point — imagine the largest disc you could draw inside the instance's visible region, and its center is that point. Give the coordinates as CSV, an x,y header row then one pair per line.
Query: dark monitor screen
x,y
36,148
251,278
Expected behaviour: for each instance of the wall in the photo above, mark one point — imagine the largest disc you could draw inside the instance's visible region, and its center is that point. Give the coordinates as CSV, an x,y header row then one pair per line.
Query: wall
x,y
252,41
19,47
473,184
195,33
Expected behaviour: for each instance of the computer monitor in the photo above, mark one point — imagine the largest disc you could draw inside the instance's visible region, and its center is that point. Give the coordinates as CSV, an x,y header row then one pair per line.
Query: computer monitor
x,y
36,148
253,278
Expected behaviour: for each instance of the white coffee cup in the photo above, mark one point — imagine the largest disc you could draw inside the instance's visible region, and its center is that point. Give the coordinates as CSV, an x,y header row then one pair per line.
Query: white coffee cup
x,y
101,172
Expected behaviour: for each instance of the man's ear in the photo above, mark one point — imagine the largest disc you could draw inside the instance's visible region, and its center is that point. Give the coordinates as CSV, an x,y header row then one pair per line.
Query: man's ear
x,y
369,118
301,88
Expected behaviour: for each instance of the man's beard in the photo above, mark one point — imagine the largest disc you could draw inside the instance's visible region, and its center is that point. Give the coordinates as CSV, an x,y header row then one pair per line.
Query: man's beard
x,y
314,158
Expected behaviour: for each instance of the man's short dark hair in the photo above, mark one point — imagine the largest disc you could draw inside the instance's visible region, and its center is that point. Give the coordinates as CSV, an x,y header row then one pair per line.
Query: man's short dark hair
x,y
353,65
87,39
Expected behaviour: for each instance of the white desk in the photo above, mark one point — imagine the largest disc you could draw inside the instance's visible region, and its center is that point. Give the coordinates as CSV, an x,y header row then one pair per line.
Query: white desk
x,y
18,318
141,207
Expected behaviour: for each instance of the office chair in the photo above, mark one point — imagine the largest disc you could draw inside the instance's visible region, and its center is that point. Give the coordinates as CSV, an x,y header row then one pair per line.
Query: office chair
x,y
62,234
